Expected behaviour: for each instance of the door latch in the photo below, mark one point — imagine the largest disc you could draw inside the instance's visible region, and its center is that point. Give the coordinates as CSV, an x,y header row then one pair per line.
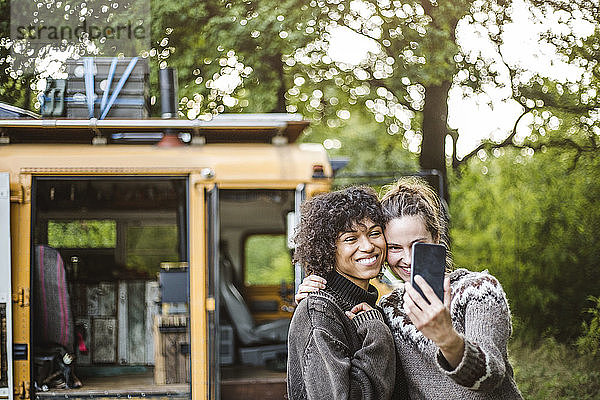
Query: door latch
x,y
21,298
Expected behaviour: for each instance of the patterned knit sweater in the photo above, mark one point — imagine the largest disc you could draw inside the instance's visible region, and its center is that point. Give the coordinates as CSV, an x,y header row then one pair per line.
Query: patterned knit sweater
x,y
480,314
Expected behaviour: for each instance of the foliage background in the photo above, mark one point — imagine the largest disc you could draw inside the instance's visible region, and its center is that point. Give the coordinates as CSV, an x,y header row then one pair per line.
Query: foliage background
x,y
525,206
533,222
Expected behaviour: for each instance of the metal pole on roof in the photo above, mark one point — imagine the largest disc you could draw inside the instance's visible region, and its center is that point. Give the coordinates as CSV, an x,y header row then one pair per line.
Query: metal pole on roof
x,y
168,104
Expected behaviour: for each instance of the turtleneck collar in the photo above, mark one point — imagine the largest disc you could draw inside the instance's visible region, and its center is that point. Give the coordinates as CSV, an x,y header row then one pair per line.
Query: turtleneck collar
x,y
349,294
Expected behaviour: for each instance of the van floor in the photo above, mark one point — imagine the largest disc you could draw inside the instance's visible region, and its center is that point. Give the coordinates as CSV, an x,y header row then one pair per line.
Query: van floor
x,y
249,382
129,386
237,382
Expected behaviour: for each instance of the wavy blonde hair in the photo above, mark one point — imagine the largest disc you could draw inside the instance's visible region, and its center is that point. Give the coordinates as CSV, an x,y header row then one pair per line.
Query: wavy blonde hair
x,y
413,196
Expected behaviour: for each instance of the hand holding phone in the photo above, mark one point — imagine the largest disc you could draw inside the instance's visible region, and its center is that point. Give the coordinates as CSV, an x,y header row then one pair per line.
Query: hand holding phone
x,y
429,261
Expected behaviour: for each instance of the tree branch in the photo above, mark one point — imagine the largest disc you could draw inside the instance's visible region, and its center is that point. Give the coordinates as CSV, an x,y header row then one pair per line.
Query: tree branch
x,y
400,100
564,143
454,135
488,144
382,83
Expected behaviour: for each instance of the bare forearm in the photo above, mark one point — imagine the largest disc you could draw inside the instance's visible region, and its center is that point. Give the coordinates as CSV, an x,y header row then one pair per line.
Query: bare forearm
x,y
453,349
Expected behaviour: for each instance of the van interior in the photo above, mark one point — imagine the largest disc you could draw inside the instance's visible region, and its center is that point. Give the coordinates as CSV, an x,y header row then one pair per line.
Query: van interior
x,y
111,265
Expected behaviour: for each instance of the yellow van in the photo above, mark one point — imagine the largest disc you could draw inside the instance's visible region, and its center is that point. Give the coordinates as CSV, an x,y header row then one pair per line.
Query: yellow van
x,y
133,270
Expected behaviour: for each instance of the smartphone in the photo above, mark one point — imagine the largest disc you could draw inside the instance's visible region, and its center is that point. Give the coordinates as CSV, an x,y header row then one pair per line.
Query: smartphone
x,y
429,261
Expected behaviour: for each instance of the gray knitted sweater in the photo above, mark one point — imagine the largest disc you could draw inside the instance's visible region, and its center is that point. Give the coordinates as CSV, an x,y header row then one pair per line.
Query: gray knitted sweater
x,y
333,357
480,313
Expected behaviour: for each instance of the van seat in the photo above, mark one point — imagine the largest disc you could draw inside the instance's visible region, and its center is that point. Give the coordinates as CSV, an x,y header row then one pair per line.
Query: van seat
x,y
244,325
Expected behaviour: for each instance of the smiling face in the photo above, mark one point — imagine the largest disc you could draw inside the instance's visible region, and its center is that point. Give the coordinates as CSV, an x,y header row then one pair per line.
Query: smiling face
x,y
359,252
401,233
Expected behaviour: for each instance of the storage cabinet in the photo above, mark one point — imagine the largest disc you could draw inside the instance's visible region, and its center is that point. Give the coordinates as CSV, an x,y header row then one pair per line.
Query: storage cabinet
x,y
115,320
172,349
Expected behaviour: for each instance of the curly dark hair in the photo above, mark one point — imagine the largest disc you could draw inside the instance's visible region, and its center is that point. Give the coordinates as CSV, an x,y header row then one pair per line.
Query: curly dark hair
x,y
324,217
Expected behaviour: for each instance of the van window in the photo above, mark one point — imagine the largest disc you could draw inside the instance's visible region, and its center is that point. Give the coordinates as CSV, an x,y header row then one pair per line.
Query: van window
x,y
267,260
149,245
82,234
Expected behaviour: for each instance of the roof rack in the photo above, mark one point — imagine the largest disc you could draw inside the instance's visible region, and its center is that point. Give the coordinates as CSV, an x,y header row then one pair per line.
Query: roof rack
x,y
9,112
224,128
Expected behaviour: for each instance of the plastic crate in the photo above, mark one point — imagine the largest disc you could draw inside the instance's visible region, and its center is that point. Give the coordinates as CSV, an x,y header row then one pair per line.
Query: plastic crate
x,y
133,101
117,111
102,66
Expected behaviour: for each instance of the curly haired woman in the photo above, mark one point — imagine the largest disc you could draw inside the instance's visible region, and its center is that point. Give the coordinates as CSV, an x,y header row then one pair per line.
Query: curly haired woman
x,y
339,346
455,349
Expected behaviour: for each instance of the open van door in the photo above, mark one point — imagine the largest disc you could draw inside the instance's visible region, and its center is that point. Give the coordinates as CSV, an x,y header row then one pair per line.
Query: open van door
x,y
299,197
212,255
6,369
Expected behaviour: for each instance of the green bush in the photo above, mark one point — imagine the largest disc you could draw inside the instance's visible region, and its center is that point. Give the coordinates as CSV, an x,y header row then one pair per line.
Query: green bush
x,y
82,234
589,341
534,223
551,370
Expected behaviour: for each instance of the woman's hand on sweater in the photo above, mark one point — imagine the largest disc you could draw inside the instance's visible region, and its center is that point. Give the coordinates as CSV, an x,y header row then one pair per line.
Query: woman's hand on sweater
x,y
433,319
312,283
358,309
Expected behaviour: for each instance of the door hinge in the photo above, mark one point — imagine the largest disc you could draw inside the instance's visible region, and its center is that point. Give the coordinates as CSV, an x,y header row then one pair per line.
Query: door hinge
x,y
21,297
20,351
22,390
19,194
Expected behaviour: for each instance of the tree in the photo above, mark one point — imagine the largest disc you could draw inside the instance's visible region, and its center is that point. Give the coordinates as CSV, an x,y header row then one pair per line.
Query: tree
x,y
550,102
15,87
356,136
276,55
272,56
406,82
532,221
234,60
534,217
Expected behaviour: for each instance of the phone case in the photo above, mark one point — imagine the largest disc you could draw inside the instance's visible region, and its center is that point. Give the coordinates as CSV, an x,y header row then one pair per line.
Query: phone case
x,y
429,261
